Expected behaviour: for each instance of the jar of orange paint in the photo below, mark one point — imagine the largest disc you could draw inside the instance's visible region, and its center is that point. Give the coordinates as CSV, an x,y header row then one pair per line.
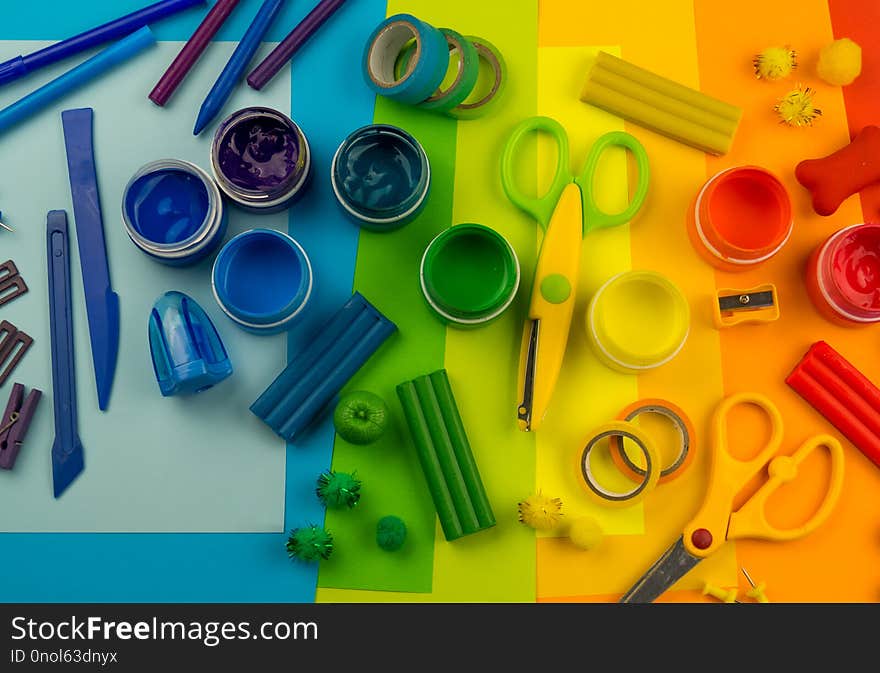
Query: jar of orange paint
x,y
740,218
843,276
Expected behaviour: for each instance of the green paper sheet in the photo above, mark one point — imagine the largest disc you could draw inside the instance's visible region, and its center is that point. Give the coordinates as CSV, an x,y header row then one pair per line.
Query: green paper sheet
x,y
498,564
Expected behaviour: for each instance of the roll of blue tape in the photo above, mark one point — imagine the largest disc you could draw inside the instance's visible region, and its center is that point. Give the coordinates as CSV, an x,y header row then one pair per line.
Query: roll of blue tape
x,y
426,68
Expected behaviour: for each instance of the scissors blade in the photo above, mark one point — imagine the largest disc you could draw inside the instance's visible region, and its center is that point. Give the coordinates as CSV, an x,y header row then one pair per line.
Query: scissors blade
x,y
675,563
524,411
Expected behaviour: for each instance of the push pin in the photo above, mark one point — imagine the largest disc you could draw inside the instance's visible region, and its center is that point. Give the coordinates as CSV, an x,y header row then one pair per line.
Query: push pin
x,y
757,591
5,226
723,595
736,307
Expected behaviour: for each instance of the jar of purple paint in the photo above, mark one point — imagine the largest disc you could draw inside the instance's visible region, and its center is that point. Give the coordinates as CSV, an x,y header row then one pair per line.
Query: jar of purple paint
x,y
261,159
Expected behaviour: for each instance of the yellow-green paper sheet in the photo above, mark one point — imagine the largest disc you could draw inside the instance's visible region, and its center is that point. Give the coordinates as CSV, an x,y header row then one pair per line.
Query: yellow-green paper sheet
x,y
497,564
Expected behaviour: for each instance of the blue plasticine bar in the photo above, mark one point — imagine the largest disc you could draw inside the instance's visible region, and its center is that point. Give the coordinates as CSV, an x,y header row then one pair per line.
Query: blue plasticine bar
x,y
309,383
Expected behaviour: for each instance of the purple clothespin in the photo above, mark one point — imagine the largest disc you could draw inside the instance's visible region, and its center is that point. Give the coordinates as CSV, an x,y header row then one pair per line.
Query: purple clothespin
x,y
15,423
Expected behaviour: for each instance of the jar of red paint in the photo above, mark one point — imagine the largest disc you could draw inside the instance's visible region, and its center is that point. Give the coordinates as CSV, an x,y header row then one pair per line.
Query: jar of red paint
x,y
741,217
843,276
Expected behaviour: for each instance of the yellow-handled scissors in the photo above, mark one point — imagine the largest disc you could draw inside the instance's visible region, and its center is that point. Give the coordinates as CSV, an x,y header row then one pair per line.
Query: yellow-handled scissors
x,y
717,521
566,212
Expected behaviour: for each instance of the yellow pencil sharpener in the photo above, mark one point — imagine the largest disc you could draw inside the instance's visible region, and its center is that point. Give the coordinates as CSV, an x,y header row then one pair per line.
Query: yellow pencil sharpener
x,y
738,307
638,320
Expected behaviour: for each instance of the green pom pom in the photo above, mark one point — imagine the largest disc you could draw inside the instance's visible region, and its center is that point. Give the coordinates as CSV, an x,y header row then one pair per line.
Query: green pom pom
x,y
338,489
361,417
310,543
390,533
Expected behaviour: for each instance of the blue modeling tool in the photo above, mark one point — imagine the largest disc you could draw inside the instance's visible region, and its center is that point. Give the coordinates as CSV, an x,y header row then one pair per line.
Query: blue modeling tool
x,y
20,66
67,450
314,377
102,303
238,62
84,72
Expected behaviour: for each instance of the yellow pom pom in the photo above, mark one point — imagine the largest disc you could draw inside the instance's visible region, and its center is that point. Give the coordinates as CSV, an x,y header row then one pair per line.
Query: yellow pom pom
x,y
840,62
585,533
540,512
775,63
796,107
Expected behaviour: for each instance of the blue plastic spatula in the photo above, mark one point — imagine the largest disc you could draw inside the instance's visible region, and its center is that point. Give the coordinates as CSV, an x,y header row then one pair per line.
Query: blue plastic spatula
x,y
67,450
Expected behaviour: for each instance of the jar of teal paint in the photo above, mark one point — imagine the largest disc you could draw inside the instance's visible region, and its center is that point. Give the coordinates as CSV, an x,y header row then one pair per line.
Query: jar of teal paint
x,y
173,211
469,275
381,177
262,279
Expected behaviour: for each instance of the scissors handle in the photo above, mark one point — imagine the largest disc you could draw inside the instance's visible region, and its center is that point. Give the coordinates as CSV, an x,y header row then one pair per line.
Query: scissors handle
x,y
750,520
728,475
540,207
594,217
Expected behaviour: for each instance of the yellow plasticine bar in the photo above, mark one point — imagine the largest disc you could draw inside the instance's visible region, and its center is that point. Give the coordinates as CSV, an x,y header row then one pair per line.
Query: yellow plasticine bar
x,y
668,87
660,104
661,101
662,122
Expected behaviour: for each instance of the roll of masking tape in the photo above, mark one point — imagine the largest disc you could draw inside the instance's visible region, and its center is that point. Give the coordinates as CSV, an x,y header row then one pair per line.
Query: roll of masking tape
x,y
426,68
623,431
467,72
684,431
483,100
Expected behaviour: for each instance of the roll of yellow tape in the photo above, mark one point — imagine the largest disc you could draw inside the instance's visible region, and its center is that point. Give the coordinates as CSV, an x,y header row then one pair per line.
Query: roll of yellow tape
x,y
588,480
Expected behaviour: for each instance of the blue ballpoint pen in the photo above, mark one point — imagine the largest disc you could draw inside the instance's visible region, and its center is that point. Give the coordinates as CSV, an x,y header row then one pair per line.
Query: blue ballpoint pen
x,y
20,66
238,62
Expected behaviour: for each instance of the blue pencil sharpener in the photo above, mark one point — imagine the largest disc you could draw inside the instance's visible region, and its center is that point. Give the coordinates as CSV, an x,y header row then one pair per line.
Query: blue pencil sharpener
x,y
188,355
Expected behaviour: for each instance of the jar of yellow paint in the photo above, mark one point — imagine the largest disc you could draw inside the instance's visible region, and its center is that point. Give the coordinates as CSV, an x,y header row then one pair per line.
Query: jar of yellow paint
x,y
638,320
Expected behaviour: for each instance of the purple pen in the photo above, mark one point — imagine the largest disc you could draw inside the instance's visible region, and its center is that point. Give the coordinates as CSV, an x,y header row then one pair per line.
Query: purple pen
x,y
191,51
276,60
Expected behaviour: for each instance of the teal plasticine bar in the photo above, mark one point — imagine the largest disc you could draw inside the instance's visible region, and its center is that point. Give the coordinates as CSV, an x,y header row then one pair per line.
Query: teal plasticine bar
x,y
85,72
445,455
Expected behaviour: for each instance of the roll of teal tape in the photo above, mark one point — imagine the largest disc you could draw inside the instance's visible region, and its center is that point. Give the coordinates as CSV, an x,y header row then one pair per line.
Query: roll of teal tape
x,y
425,70
467,72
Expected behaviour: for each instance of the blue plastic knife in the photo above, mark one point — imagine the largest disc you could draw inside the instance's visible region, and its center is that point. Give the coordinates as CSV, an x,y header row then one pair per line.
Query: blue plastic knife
x,y
102,303
67,450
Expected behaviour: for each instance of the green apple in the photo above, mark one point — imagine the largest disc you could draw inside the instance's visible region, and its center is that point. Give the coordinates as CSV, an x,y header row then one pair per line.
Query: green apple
x,y
361,417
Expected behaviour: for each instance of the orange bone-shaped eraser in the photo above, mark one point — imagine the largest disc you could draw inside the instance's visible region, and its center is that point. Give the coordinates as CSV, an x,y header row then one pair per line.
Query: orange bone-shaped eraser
x,y
834,178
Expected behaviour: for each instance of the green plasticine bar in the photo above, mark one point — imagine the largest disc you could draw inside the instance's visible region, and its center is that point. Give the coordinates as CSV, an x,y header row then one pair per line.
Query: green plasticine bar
x,y
445,455
462,447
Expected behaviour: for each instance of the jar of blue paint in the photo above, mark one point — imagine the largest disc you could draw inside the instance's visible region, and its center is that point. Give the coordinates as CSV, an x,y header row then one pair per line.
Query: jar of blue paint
x,y
262,280
381,177
173,211
261,159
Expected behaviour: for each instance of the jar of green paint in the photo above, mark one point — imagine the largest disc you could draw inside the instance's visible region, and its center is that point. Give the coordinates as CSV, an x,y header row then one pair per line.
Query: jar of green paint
x,y
469,275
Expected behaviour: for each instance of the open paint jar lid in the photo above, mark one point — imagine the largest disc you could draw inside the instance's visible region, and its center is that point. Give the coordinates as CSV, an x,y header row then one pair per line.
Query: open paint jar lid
x,y
261,159
469,275
638,320
262,279
173,211
381,177
741,217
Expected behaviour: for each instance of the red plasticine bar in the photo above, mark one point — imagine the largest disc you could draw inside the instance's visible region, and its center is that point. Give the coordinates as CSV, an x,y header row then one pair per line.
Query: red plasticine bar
x,y
842,394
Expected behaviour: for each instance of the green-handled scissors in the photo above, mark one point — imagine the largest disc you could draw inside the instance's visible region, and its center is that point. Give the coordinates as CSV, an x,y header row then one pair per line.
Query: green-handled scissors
x,y
566,212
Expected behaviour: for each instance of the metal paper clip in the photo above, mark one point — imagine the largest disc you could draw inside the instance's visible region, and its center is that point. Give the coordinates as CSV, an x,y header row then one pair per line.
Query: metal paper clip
x,y
15,423
13,346
12,285
755,305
